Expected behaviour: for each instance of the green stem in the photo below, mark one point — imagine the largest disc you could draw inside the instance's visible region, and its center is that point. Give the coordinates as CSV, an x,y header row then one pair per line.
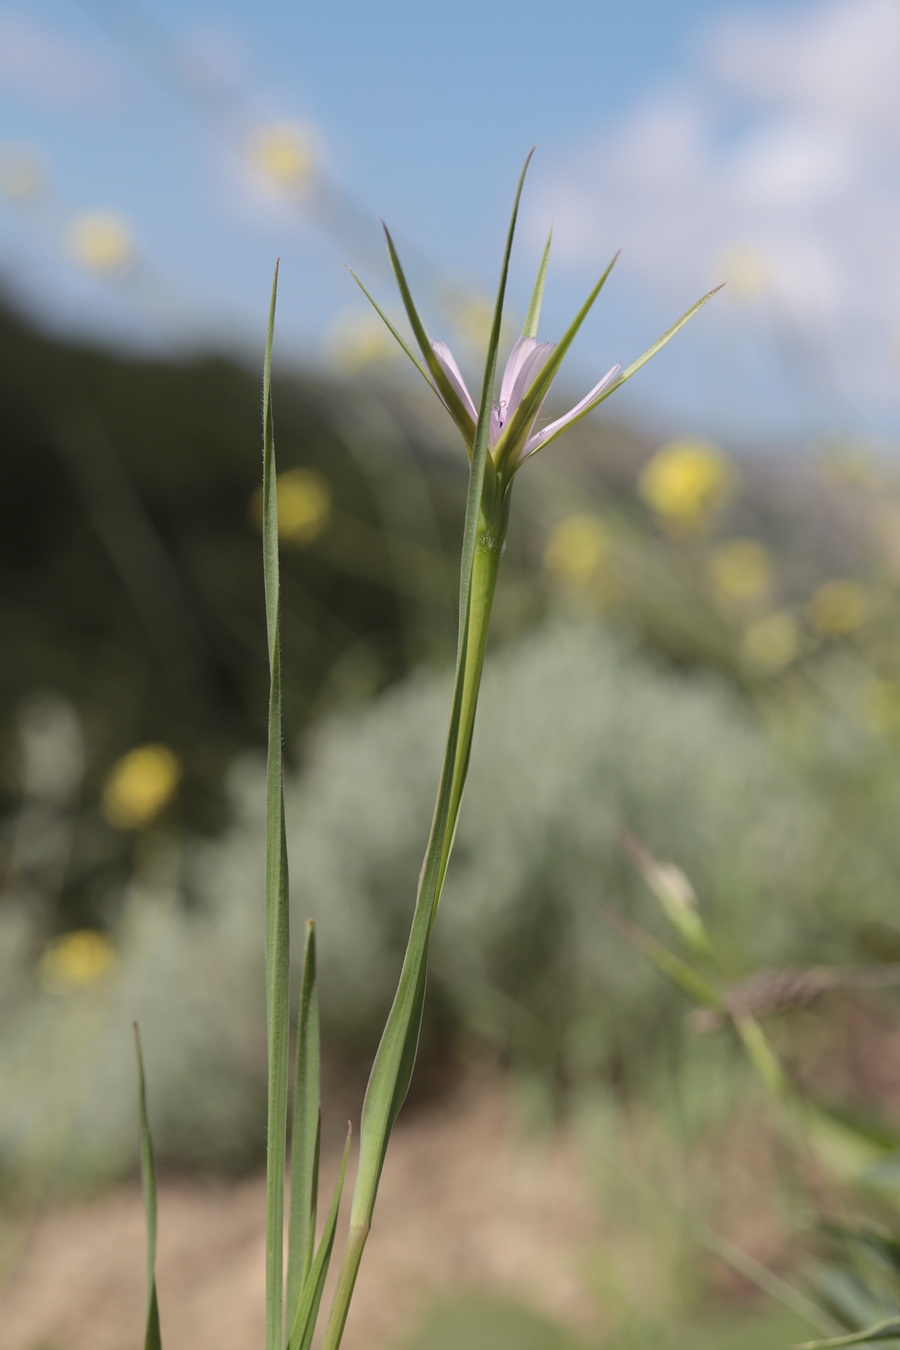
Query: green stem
x,y
394,1060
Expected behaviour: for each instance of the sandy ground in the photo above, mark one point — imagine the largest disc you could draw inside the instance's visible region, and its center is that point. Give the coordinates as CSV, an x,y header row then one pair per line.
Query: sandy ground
x,y
466,1203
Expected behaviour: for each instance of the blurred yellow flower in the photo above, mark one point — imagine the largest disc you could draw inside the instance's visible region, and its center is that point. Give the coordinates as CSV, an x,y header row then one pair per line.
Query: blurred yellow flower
x,y
577,549
686,480
21,174
140,785
76,960
882,706
284,153
772,642
102,241
304,506
741,570
838,607
747,271
358,340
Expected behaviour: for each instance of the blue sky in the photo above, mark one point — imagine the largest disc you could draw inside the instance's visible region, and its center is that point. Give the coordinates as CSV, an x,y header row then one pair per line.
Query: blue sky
x,y
711,140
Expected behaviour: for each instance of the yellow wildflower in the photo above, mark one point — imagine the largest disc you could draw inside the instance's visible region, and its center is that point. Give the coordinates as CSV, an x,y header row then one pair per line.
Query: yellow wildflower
x,y
140,785
577,549
76,960
772,642
685,481
102,241
304,506
284,154
838,607
741,570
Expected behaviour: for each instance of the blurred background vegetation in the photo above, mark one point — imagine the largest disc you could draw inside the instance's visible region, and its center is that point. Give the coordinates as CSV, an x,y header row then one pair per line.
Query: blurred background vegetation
x,y
693,646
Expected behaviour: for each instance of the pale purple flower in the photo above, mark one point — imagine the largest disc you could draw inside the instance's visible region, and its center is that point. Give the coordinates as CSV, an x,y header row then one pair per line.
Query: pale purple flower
x,y
526,360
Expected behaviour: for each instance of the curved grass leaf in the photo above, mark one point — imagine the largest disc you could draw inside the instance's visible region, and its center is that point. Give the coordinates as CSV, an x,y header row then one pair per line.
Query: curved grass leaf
x,y
307,1313
152,1336
888,1330
305,1133
277,918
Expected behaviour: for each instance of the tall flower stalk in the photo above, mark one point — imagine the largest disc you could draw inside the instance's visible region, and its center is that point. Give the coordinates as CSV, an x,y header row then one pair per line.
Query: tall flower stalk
x,y
499,435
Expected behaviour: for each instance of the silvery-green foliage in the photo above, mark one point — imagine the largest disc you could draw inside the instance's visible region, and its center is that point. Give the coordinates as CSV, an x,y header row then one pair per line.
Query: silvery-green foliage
x,y
67,1074
578,736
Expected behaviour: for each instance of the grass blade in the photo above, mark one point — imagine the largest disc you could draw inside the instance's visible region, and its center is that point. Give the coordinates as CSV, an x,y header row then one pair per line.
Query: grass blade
x,y
152,1337
882,1331
277,920
673,967
305,1133
308,1308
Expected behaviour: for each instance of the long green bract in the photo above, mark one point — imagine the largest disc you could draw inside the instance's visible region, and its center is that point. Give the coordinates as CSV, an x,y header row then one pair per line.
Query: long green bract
x,y
455,407
532,318
534,396
152,1335
277,919
635,365
394,1060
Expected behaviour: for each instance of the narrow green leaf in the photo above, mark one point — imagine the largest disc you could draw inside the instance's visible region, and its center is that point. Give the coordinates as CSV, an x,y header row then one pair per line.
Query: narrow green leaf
x,y
398,338
881,1331
460,414
305,1132
304,1324
277,919
152,1337
537,391
673,967
761,1053
533,317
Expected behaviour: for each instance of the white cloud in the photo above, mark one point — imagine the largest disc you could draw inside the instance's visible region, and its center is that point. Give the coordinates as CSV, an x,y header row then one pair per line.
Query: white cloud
x,y
786,142
35,61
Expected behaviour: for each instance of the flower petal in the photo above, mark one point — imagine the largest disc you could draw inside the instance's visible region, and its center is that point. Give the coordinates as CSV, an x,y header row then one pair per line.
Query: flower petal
x,y
528,372
582,406
454,375
520,353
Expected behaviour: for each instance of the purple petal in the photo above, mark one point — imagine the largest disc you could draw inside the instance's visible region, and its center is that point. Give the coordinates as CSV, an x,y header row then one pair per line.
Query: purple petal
x,y
519,354
553,428
528,372
454,375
